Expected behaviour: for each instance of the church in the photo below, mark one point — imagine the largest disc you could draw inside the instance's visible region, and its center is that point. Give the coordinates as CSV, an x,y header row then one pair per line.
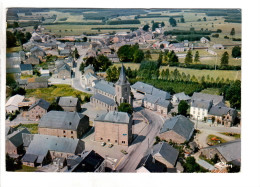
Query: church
x,y
109,96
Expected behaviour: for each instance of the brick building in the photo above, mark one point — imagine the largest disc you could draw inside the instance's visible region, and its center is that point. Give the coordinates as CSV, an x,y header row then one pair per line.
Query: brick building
x,y
38,109
63,124
114,127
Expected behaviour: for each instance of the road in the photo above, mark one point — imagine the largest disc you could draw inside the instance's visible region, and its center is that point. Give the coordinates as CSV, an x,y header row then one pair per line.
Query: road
x,y
76,80
140,146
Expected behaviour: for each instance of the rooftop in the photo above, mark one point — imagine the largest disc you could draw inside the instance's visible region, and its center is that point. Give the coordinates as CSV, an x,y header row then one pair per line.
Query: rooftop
x,y
42,103
115,117
68,101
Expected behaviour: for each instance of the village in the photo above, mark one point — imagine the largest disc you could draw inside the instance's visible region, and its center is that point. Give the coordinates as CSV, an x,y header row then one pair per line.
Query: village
x,y
113,124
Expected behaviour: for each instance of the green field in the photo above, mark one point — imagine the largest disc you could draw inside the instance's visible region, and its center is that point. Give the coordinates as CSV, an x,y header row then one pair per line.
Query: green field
x,y
49,94
213,91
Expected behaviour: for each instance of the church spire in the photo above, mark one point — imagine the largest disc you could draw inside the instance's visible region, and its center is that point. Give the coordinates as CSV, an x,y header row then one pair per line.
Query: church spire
x,y
122,77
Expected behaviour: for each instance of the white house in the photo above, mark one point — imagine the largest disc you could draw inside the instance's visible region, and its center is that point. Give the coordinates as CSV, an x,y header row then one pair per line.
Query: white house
x,y
13,103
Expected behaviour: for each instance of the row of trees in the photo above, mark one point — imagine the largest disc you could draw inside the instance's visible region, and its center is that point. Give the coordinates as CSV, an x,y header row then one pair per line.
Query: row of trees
x,y
189,57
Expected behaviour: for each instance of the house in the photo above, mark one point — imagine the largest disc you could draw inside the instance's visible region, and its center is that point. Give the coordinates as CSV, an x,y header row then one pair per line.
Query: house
x,y
88,161
114,127
176,47
229,152
65,53
38,82
105,51
155,103
148,164
109,96
32,60
26,69
43,149
38,52
223,115
44,72
14,143
177,129
61,46
201,104
186,43
113,57
89,69
70,104
204,40
143,88
38,109
218,46
91,53
176,98
13,103
199,109
89,79
63,124
62,71
166,154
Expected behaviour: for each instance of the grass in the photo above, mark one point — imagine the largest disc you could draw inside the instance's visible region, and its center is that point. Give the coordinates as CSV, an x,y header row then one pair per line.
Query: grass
x,y
33,128
202,157
235,135
26,169
27,76
13,49
49,94
214,140
133,66
213,91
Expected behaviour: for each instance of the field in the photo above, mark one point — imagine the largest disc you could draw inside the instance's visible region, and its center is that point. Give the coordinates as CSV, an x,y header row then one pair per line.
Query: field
x,y
213,91
49,94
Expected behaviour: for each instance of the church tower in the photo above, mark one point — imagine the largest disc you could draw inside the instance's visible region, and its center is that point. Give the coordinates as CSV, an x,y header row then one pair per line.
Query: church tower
x,y
123,89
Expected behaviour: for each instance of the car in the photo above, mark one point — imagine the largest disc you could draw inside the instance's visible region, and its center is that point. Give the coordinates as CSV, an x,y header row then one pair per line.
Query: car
x,y
110,145
103,143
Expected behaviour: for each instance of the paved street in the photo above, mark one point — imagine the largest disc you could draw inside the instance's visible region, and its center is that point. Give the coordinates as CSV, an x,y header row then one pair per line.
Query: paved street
x,y
19,119
142,143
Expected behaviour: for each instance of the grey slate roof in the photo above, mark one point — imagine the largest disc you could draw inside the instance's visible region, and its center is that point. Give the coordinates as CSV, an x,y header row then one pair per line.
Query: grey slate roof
x,y
11,55
147,162
220,111
41,144
90,66
68,101
61,120
105,87
27,138
122,77
114,117
182,96
36,48
201,104
104,99
29,158
149,89
26,67
42,103
156,100
65,52
231,151
13,70
205,164
207,97
179,124
8,130
63,66
166,151
89,75
16,137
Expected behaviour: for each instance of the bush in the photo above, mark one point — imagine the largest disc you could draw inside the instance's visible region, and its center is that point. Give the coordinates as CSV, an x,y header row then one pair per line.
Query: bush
x,y
215,35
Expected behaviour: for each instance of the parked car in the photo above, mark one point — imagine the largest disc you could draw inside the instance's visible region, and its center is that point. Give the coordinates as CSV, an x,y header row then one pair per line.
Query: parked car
x,y
103,143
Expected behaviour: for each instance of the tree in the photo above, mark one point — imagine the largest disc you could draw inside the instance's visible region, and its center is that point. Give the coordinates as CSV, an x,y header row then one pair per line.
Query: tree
x,y
76,53
35,27
28,36
160,58
125,107
55,106
233,94
10,39
191,166
236,52
232,32
43,19
104,62
81,67
197,57
15,25
161,46
138,56
10,166
182,20
188,58
162,24
85,39
183,107
146,27
205,19
224,59
173,58
148,55
219,31
172,22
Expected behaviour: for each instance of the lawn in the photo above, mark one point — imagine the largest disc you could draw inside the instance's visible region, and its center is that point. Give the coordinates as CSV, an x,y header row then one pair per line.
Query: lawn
x,y
49,94
213,91
133,66
33,128
26,169
214,140
13,49
235,135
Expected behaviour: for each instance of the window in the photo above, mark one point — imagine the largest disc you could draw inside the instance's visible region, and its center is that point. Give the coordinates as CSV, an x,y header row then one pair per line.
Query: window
x,y
115,141
101,138
108,140
71,132
71,136
123,142
64,136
